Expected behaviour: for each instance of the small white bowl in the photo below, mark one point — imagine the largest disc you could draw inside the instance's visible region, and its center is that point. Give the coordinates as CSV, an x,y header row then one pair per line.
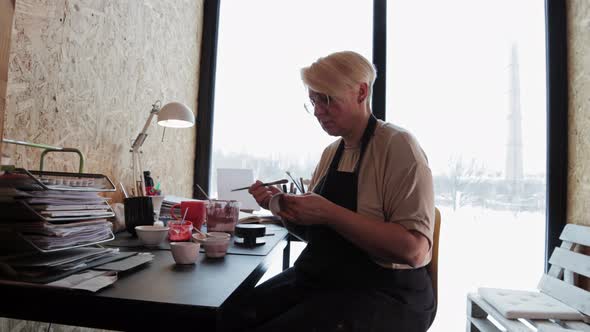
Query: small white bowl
x,y
185,252
216,244
151,236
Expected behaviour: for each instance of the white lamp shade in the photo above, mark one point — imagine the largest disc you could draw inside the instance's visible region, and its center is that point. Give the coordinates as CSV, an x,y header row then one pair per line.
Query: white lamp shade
x,y
176,115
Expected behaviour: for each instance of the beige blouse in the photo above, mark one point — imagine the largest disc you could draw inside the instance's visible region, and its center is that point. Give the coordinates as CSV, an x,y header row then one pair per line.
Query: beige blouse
x,y
395,182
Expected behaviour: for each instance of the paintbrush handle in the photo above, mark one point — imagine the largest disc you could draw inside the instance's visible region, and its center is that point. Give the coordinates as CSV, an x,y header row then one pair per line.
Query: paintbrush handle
x,y
296,184
264,184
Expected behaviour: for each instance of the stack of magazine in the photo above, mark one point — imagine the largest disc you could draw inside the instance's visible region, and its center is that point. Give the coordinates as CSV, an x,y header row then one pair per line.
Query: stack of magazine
x,y
49,267
52,219
50,227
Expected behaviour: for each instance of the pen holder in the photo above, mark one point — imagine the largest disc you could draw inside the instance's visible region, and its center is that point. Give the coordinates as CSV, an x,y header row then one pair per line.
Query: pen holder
x,y
138,211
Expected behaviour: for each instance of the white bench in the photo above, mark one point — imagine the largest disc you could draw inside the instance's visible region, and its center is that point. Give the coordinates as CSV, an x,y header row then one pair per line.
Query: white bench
x,y
559,295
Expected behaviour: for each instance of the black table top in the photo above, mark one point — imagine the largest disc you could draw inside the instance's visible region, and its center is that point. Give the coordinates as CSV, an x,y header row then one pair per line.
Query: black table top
x,y
208,283
157,295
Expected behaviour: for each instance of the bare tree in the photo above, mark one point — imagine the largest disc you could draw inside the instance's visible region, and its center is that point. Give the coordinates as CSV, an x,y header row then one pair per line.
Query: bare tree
x,y
463,180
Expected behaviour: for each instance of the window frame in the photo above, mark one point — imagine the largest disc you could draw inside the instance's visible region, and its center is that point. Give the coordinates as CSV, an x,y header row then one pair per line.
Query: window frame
x,y
557,126
557,104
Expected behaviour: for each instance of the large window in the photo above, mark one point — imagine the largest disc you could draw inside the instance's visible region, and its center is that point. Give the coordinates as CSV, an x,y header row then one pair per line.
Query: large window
x,y
468,78
472,91
260,122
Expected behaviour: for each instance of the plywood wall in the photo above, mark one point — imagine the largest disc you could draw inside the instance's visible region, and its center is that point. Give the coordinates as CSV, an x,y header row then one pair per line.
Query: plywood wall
x,y
84,73
6,19
579,111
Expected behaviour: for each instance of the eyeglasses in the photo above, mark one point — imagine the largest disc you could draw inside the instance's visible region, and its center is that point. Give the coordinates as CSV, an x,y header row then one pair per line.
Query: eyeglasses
x,y
317,100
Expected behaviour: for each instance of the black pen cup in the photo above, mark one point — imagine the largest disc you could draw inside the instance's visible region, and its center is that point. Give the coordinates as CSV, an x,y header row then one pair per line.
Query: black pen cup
x,y
138,211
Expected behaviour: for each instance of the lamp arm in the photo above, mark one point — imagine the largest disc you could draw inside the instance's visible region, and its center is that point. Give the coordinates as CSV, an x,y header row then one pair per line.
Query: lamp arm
x,y
138,142
135,154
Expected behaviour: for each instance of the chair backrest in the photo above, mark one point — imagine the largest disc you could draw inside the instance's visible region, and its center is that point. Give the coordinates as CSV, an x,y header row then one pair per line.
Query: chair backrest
x,y
566,263
433,266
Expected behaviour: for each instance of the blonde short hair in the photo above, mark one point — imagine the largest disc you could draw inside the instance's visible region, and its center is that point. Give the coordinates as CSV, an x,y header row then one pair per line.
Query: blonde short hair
x,y
337,72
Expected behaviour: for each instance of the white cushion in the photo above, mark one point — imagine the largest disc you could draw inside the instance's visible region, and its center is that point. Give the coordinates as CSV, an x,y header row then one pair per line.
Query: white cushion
x,y
514,304
555,329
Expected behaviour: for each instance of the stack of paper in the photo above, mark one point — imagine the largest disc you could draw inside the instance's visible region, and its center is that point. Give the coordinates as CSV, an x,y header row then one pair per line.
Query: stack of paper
x,y
60,223
78,236
53,220
44,268
63,260
70,268
64,205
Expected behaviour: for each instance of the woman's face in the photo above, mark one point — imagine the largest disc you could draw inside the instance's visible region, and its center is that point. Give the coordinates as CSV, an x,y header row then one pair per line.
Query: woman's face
x,y
337,115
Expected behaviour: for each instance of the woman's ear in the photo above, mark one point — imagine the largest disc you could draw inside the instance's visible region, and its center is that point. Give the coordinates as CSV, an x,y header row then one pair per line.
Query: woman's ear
x,y
363,91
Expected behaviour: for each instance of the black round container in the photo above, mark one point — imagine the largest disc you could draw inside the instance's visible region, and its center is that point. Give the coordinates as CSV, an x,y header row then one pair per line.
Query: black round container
x,y
248,234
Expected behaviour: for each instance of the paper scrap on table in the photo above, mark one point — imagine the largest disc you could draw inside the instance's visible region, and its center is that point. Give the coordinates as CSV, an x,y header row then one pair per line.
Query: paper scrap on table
x,y
231,178
127,263
89,280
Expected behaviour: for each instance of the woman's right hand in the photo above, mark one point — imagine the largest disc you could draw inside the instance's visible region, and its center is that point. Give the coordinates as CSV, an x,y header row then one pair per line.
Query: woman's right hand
x,y
262,194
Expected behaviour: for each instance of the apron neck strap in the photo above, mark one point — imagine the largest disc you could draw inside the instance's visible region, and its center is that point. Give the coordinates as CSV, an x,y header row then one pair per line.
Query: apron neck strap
x,y
367,134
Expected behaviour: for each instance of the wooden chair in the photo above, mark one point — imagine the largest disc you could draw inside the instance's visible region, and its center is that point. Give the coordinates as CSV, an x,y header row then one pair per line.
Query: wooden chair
x,y
433,265
560,306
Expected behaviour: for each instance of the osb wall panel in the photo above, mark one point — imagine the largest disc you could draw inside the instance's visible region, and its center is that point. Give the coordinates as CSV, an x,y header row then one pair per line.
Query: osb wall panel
x,y
14,325
579,115
84,73
579,111
6,16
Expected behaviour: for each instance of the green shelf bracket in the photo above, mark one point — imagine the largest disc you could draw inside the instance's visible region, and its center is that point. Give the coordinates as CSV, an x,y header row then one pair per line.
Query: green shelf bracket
x,y
47,149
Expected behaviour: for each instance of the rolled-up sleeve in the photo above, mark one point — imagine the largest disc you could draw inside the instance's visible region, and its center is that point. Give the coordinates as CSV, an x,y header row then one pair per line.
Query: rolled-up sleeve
x,y
411,200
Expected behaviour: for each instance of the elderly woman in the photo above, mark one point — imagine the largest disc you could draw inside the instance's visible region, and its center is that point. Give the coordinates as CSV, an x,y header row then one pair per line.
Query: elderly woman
x,y
368,220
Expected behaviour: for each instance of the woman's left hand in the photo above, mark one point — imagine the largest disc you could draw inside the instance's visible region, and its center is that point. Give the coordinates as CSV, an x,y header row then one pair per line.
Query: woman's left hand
x,y
307,209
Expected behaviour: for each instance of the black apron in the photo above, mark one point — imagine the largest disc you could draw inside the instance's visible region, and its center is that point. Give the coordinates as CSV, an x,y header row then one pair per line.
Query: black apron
x,y
328,256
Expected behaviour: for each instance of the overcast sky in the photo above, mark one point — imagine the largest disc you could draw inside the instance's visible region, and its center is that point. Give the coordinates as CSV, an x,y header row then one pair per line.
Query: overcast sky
x,y
448,74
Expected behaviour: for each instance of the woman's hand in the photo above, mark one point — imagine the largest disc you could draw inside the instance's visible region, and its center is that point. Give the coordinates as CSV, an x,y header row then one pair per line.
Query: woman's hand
x,y
307,209
262,194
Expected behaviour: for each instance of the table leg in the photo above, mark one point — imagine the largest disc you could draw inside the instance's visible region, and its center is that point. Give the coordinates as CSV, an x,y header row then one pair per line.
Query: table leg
x,y
287,253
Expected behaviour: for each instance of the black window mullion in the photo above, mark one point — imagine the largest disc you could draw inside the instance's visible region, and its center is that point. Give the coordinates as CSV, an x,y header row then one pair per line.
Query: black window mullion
x,y
206,97
557,109
379,56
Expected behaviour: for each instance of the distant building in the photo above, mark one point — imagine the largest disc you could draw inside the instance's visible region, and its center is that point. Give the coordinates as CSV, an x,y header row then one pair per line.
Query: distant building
x,y
514,167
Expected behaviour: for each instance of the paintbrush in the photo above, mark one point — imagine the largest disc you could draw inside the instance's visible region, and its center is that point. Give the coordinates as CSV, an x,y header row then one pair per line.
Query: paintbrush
x,y
264,184
294,181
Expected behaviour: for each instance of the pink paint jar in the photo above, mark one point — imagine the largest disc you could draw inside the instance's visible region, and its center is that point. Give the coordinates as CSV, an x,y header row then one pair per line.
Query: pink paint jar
x,y
222,216
179,231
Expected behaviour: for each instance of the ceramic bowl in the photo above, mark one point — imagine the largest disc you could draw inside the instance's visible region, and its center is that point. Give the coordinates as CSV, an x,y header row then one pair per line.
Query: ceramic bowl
x,y
216,244
151,236
185,252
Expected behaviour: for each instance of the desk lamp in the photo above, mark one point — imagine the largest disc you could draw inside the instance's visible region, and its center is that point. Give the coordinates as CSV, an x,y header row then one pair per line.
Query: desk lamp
x,y
173,115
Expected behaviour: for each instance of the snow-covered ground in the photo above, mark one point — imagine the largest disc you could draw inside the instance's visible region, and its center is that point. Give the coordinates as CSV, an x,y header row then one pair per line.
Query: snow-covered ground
x,y
485,248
